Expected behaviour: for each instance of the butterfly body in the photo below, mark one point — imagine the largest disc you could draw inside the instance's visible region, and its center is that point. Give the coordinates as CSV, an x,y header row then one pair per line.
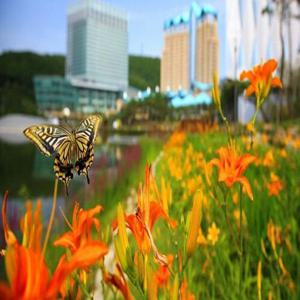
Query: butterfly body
x,y
65,145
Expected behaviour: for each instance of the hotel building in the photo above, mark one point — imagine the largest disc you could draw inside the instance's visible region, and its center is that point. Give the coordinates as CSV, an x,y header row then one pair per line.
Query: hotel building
x,y
191,50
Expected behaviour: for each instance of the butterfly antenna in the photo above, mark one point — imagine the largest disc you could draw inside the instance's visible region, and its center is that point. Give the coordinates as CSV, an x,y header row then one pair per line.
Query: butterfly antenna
x,y
87,178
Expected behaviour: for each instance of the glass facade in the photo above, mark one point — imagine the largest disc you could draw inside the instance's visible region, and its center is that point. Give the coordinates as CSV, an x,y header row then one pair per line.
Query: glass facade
x,y
54,93
97,47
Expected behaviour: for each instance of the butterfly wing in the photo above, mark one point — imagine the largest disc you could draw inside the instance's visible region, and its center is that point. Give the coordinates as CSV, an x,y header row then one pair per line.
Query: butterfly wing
x,y
84,138
54,140
50,140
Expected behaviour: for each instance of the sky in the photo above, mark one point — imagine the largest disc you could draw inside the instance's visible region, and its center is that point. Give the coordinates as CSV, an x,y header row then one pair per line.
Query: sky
x,y
40,25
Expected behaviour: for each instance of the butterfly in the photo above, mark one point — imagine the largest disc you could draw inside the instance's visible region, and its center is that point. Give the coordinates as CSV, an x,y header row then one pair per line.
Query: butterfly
x,y
65,144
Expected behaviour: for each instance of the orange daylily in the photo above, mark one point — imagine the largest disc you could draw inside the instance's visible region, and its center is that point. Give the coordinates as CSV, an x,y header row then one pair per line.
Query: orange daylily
x,y
28,275
261,79
163,274
142,222
80,233
232,166
275,186
184,292
119,281
85,251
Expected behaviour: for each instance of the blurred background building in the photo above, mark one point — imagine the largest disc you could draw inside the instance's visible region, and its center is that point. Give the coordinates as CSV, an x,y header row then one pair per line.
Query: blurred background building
x,y
190,56
191,49
252,34
96,73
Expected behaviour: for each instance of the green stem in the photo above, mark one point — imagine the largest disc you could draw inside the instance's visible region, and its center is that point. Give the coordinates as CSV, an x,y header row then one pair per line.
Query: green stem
x,y
51,218
241,242
227,219
83,288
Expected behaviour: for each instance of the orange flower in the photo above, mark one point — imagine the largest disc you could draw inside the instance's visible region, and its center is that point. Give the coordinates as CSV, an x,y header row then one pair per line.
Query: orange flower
x,y
119,281
184,293
27,273
232,166
275,186
80,233
142,222
85,251
162,275
261,79
269,160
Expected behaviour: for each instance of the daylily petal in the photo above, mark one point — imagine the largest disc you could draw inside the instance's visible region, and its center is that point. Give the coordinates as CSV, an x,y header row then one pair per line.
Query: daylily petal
x,y
250,90
87,255
10,238
67,240
269,67
156,211
246,186
247,75
5,292
276,82
244,161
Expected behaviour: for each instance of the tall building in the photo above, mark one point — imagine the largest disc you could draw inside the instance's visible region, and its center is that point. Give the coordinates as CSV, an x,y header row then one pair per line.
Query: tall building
x,y
96,72
175,57
191,49
97,45
207,48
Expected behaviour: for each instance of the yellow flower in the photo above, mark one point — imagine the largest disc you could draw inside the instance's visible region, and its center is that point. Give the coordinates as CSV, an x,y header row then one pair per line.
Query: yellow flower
x,y
283,153
236,214
235,198
269,160
213,233
201,240
250,127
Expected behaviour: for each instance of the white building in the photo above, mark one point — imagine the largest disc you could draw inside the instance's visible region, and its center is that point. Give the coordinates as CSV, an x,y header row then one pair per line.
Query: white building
x,y
252,37
97,46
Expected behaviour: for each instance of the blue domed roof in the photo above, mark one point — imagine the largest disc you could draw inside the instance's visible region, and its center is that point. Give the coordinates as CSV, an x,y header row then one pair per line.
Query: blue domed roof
x,y
184,18
180,19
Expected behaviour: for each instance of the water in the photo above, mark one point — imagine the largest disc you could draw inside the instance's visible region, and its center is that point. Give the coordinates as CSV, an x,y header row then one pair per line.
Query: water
x,y
28,175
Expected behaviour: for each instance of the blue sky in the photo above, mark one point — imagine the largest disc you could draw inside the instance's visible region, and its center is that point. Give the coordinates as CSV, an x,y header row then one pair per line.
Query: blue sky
x,y
40,25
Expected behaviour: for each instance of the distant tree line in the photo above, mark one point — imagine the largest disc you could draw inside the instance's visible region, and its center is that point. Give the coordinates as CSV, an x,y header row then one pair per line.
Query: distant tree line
x,y
17,70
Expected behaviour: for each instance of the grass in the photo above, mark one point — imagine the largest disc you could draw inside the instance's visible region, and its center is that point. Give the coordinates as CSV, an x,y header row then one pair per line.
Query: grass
x,y
213,272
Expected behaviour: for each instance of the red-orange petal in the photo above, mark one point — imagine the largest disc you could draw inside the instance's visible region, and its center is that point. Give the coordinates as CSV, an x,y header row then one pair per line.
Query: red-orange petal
x,y
269,67
8,234
246,186
247,75
156,211
250,90
276,82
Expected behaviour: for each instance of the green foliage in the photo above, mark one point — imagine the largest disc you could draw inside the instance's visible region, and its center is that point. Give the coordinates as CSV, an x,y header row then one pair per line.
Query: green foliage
x,y
144,71
16,73
17,70
156,107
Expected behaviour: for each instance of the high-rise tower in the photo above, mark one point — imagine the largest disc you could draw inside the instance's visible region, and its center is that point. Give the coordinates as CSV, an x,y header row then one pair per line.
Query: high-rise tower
x,y
191,49
97,45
